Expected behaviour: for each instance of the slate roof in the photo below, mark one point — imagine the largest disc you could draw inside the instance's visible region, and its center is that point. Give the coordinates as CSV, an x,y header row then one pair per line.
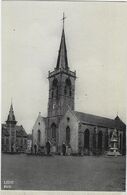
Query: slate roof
x,y
100,121
119,123
62,61
19,131
29,136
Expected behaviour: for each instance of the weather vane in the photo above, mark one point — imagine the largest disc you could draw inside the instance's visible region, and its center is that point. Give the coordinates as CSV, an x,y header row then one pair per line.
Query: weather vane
x,y
11,101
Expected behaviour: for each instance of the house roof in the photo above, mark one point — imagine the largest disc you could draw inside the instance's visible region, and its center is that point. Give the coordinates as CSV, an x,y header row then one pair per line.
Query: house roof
x,y
20,131
29,136
99,121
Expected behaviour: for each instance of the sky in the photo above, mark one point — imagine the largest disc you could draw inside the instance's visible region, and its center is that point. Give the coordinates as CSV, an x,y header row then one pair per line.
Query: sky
x,y
96,45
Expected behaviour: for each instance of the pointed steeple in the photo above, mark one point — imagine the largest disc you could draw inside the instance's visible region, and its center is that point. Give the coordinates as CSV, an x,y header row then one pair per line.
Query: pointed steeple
x,y
62,61
11,116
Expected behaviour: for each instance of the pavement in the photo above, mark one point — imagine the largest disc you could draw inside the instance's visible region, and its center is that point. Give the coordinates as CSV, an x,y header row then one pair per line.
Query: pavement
x,y
70,173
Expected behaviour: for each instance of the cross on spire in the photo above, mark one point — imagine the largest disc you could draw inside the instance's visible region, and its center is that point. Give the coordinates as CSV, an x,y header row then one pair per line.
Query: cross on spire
x,y
62,61
11,101
63,19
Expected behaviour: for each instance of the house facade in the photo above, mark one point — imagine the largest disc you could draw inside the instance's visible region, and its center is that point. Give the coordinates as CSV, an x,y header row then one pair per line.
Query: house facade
x,y
14,137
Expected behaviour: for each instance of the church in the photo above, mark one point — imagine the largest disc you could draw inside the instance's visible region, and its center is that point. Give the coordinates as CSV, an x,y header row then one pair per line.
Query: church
x,y
82,133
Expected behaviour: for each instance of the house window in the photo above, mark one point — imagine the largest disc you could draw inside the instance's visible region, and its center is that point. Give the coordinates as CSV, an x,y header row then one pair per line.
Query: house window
x,y
21,141
2,140
25,141
7,141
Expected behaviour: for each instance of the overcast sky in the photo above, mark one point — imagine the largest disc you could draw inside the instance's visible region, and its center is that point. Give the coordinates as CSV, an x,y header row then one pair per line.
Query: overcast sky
x,y
96,35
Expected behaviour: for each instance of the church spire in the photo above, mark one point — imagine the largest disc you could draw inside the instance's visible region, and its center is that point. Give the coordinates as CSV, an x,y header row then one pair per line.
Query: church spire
x,y
11,116
62,61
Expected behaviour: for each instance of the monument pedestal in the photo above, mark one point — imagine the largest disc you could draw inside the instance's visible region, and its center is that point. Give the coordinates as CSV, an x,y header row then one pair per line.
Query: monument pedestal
x,y
113,151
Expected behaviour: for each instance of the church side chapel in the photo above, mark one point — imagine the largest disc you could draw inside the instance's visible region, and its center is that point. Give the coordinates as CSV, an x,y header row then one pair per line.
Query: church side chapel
x,y
69,131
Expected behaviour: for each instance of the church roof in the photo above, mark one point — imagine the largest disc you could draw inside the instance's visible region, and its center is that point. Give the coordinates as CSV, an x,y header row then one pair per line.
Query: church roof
x,y
119,123
62,61
99,121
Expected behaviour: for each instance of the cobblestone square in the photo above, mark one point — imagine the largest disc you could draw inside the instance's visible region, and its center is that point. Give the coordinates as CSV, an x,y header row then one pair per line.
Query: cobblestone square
x,y
87,173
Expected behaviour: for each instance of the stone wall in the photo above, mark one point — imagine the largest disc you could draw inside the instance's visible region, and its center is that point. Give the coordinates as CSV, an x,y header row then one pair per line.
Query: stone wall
x,y
99,139
39,126
69,120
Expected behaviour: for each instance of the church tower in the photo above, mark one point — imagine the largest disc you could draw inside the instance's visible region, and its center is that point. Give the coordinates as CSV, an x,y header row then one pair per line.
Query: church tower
x,y
61,90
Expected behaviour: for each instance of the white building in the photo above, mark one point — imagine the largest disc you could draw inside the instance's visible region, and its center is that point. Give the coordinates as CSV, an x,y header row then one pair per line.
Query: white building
x,y
39,133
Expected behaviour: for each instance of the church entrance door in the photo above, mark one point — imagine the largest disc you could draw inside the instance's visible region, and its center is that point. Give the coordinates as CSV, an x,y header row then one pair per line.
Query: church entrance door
x,y
48,147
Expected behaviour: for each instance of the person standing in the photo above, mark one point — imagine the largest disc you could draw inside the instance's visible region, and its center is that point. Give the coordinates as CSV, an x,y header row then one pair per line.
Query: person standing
x,y
64,149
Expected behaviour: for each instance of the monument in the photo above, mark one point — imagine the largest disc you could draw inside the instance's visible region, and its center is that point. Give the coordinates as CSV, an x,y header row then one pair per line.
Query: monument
x,y
113,150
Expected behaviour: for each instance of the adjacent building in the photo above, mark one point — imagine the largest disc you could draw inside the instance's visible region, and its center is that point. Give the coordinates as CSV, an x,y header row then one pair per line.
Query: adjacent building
x,y
14,137
39,134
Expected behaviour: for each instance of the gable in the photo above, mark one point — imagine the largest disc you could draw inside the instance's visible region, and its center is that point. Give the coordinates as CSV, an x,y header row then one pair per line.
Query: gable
x,y
20,132
70,113
40,123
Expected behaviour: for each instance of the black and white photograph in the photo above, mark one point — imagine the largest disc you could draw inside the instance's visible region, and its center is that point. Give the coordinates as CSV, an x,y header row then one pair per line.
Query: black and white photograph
x,y
63,96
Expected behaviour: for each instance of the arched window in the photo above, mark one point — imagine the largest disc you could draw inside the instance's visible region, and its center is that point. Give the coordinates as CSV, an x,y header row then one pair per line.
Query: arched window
x,y
53,131
67,88
39,136
106,139
94,139
120,147
86,138
110,134
55,88
100,140
68,135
